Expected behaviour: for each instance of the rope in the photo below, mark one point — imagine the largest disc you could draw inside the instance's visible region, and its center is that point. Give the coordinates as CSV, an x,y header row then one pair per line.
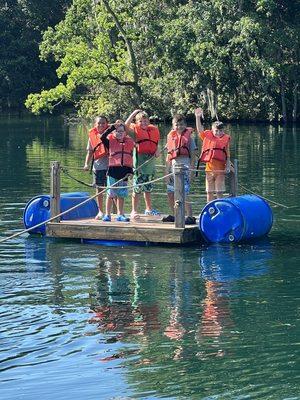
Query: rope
x,y
64,170
78,205
271,201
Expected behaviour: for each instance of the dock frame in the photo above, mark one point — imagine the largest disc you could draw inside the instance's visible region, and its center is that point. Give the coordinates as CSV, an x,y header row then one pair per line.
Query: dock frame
x,y
148,229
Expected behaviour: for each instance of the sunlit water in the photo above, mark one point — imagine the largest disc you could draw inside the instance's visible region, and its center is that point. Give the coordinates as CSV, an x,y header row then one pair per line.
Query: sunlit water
x,y
205,322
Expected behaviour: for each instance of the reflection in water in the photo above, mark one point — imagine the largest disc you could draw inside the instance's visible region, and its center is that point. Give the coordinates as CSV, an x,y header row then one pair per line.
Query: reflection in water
x,y
42,256
226,263
113,311
220,266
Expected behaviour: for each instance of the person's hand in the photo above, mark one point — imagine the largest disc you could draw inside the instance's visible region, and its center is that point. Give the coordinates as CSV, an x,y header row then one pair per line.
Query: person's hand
x,y
85,167
228,167
199,112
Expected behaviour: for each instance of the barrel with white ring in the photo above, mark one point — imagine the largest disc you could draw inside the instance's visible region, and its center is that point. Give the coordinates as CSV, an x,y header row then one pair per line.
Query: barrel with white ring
x,y
37,210
235,219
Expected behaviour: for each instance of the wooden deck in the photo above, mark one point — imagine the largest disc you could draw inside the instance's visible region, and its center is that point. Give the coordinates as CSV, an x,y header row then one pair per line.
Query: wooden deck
x,y
146,229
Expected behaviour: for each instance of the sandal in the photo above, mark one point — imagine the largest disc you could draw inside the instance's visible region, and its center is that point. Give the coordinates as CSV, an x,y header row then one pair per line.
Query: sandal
x,y
134,216
99,216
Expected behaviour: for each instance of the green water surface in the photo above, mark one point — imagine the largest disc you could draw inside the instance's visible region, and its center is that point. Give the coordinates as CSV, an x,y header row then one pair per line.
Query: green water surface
x,y
91,322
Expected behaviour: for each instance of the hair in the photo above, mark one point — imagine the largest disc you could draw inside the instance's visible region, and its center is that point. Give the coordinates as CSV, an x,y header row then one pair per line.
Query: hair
x,y
139,116
178,118
218,125
120,122
101,117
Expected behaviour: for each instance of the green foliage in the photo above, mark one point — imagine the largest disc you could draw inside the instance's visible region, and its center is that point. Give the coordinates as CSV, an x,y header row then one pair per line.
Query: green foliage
x,y
21,71
237,58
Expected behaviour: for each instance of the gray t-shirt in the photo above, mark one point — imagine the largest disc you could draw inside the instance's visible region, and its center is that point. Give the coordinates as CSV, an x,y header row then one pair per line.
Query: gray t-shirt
x,y
100,163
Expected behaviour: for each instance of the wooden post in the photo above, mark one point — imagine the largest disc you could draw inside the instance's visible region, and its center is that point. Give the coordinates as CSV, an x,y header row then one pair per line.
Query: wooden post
x,y
234,179
179,195
55,190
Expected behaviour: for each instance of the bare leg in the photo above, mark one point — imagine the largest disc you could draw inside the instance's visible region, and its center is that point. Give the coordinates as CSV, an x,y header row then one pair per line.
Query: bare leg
x,y
135,202
171,201
188,207
210,196
100,198
148,202
109,203
120,205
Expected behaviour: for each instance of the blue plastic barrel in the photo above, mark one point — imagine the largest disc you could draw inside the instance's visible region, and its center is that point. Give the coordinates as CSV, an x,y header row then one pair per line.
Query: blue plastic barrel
x,y
235,219
37,209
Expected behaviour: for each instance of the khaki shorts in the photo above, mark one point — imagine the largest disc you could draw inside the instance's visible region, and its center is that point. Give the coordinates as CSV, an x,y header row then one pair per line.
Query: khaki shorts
x,y
215,182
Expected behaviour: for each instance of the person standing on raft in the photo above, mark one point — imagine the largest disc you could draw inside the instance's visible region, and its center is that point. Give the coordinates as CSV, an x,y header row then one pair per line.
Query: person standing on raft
x,y
147,137
98,157
181,149
120,164
215,154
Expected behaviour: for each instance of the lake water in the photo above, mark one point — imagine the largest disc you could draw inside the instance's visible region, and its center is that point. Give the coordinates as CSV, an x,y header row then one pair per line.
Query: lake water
x,y
208,322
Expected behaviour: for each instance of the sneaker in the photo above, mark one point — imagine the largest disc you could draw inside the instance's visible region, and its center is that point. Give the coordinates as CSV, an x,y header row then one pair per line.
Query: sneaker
x,y
152,212
169,218
122,218
106,218
190,221
99,216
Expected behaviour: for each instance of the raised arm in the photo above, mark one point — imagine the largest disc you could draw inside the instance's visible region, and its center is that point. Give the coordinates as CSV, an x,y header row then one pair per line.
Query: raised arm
x,y
199,115
130,118
104,135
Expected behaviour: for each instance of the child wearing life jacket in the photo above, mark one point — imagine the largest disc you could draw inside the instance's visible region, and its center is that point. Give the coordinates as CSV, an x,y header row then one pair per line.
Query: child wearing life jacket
x,y
181,149
215,154
146,137
98,157
120,164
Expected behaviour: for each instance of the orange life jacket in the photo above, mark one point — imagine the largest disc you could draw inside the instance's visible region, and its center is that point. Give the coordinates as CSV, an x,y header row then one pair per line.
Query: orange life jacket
x,y
179,144
99,149
146,139
120,153
214,147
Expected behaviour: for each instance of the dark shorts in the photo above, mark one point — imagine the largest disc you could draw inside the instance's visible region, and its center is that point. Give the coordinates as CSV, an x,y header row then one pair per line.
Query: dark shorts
x,y
142,181
99,178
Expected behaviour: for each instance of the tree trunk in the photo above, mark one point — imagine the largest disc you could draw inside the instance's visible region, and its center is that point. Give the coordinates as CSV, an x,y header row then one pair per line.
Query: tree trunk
x,y
295,102
130,50
212,103
283,101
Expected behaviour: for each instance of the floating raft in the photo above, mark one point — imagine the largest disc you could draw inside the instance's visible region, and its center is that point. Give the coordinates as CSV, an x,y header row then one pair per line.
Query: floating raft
x,y
146,230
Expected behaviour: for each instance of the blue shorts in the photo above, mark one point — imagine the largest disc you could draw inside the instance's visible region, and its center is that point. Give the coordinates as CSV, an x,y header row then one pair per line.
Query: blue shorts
x,y
115,192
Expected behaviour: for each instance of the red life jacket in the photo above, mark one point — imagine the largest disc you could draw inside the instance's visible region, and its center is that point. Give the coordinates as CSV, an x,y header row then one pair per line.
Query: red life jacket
x,y
214,147
120,153
146,139
99,149
179,144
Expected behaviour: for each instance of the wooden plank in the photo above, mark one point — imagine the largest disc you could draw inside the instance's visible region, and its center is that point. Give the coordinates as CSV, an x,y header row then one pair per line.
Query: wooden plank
x,y
55,190
153,233
179,195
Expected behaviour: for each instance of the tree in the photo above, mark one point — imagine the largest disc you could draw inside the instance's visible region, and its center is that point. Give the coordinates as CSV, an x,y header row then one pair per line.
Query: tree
x,y
21,71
